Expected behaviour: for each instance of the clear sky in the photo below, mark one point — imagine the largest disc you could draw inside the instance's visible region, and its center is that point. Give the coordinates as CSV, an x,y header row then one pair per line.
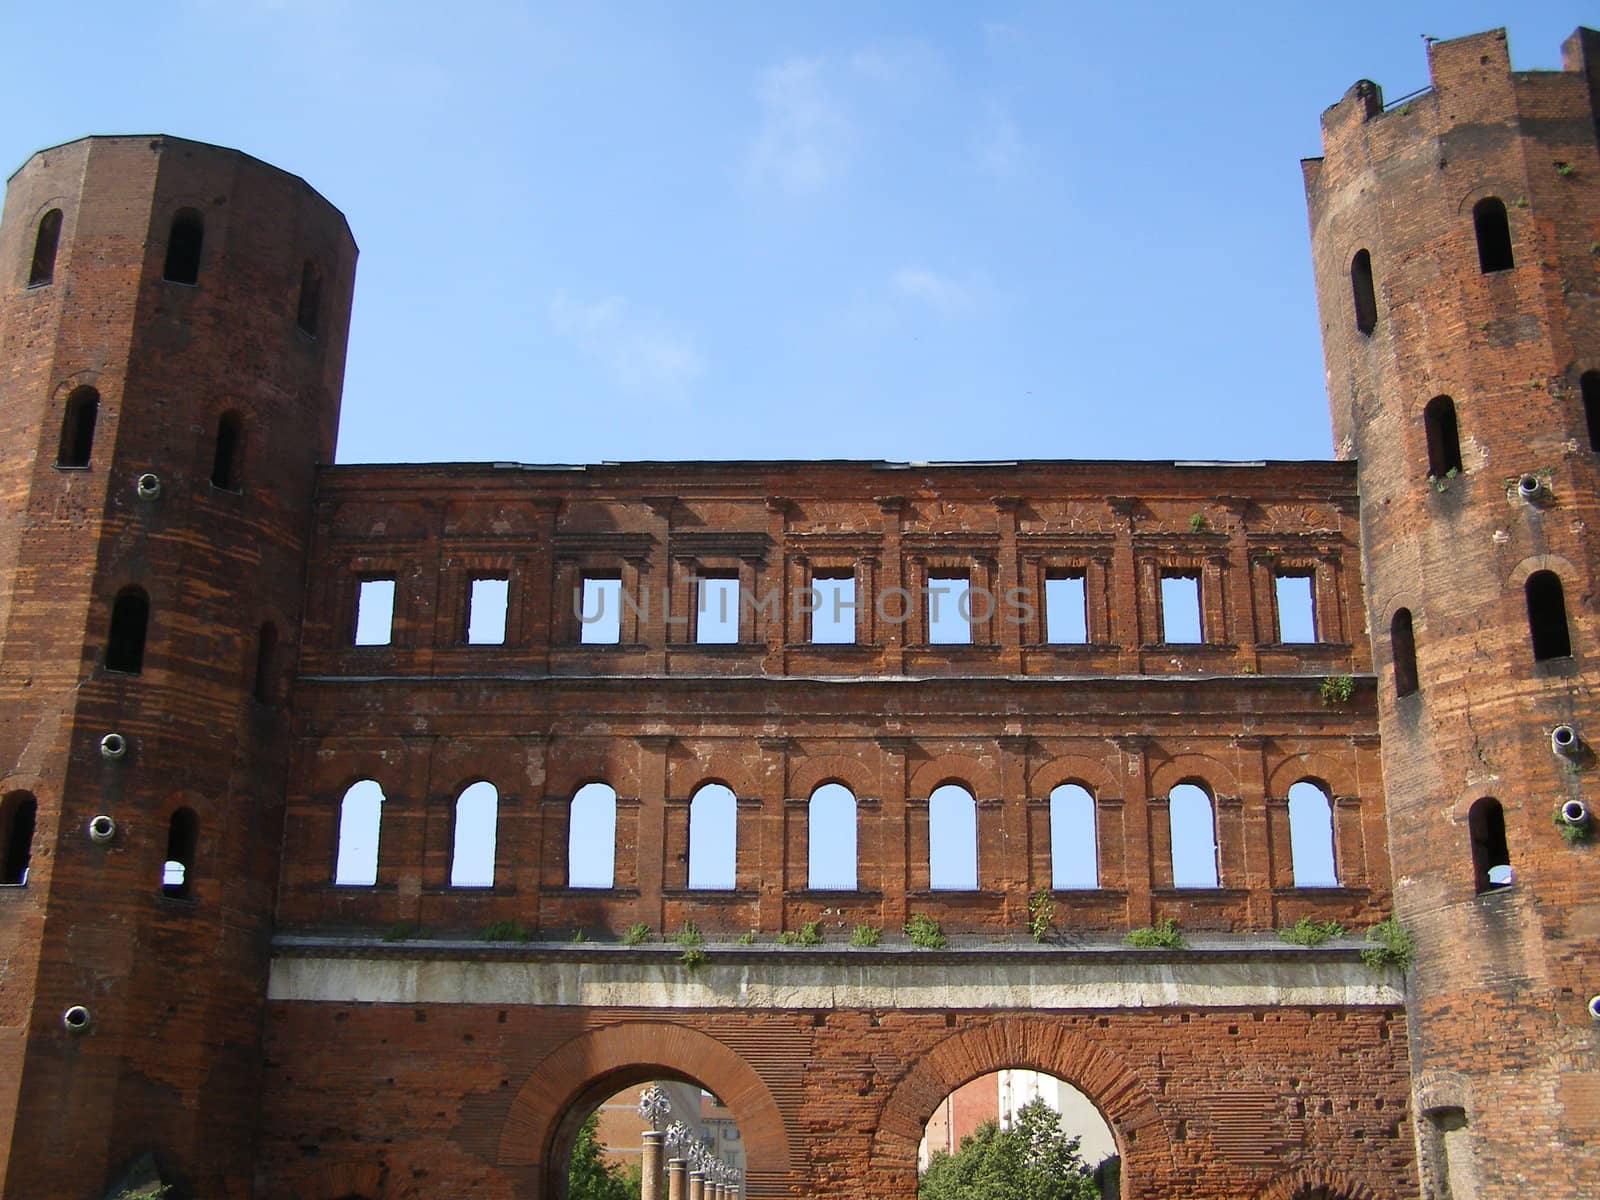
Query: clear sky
x,y
742,230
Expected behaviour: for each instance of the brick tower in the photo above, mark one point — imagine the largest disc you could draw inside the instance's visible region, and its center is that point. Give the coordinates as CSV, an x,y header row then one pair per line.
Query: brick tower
x,y
172,335
1456,240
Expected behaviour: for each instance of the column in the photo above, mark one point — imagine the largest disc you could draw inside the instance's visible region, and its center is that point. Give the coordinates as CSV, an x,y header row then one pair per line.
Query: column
x,y
677,1171
697,1185
650,1184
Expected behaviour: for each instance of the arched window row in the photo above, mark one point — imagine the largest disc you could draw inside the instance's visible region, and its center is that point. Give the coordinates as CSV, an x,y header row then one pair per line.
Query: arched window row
x,y
833,830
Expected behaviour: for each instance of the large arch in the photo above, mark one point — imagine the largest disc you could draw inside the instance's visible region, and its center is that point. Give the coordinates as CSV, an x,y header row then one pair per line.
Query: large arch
x,y
1315,1183
560,1091
1015,1042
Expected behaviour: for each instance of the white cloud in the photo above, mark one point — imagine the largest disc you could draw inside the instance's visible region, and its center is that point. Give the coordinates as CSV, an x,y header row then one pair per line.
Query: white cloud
x,y
805,138
997,144
946,296
637,355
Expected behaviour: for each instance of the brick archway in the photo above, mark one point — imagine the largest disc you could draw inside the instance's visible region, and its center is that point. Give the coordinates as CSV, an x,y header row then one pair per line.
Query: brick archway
x,y
564,1086
1015,1042
1315,1183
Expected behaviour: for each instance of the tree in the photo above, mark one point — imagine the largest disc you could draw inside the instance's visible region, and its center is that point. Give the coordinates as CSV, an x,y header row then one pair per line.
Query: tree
x,y
590,1176
1033,1160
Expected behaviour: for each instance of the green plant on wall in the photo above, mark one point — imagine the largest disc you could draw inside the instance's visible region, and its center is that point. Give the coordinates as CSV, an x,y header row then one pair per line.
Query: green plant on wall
x,y
505,931
1573,832
692,945
866,935
1389,944
1336,689
637,935
1197,522
924,931
809,934
1041,914
1306,932
1163,935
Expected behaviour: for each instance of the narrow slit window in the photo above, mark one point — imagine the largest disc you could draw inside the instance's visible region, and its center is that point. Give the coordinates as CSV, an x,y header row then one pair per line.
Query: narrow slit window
x,y
831,839
1491,859
1297,618
1444,438
225,454
310,304
375,612
1180,608
472,855
600,611
266,679
1403,647
486,611
1547,616
717,611
1311,849
177,872
952,839
949,609
43,268
833,608
360,824
1074,857
1494,235
183,247
1194,837
1065,614
713,835
592,837
1589,388
130,620
77,428
18,815
1366,299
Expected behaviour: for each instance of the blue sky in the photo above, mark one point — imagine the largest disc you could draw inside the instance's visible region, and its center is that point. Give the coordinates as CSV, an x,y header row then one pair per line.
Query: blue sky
x,y
737,230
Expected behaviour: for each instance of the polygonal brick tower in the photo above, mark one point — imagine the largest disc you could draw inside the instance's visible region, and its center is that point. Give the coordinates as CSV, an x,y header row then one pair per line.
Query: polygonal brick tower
x,y
1456,238
172,336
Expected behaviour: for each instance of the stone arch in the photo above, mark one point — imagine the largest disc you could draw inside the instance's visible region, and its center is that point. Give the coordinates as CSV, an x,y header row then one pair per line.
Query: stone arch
x,y
543,1118
809,774
340,1180
573,763
971,774
1332,776
1073,768
688,776
1208,772
1315,1183
1037,1044
1517,577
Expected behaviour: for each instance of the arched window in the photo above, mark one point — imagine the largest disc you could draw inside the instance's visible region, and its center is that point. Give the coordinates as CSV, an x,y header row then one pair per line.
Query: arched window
x,y
266,681
130,618
592,837
1366,300
1311,836
713,834
1494,235
472,861
831,839
43,269
226,454
1547,616
1403,648
18,812
177,873
1589,389
952,839
1194,837
1074,862
360,822
77,428
1444,437
310,298
1491,860
183,247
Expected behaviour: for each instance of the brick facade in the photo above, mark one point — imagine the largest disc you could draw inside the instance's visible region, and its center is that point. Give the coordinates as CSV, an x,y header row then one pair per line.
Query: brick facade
x,y
270,1028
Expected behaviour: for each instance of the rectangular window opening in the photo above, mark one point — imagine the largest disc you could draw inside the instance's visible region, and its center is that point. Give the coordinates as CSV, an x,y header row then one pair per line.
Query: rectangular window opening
x,y
1180,608
1065,617
949,610
375,612
833,611
717,611
486,611
1297,620
600,611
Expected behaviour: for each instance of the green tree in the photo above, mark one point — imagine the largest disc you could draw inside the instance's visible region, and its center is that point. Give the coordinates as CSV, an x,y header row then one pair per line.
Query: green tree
x,y
1033,1160
590,1176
